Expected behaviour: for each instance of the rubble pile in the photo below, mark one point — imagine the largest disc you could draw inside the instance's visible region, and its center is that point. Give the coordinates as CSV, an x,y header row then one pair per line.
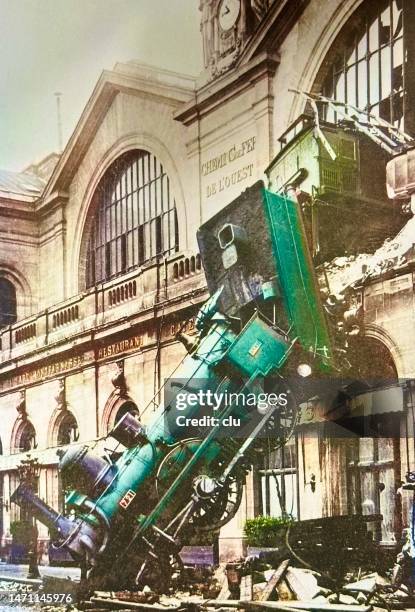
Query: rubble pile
x,y
252,584
342,272
395,253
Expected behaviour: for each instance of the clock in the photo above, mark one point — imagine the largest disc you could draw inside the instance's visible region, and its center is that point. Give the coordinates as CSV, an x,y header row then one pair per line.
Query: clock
x,y
228,13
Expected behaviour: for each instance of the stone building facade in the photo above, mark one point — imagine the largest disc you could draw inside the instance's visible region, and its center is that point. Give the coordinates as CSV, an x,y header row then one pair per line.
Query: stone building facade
x,y
98,255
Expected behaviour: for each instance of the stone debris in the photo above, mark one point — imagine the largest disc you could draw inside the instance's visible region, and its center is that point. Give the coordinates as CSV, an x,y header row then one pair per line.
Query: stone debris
x,y
346,271
285,587
342,272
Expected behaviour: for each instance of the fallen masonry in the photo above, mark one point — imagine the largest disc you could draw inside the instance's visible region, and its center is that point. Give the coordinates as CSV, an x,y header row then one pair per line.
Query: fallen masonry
x,y
243,585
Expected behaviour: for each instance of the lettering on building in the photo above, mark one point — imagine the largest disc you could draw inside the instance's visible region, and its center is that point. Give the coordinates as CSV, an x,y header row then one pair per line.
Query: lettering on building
x,y
47,371
187,327
115,348
231,176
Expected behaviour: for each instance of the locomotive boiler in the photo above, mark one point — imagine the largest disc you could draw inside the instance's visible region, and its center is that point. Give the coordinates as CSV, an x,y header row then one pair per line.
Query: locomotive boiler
x,y
125,513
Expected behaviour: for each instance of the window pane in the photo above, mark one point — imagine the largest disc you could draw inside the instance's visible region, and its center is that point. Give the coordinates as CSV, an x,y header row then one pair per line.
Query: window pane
x,y
159,236
351,58
129,178
135,217
113,229
385,109
374,36
397,73
130,253
141,245
374,78
384,26
362,48
135,175
340,89
351,86
146,204
397,17
153,204
362,84
385,62
113,258
397,108
166,231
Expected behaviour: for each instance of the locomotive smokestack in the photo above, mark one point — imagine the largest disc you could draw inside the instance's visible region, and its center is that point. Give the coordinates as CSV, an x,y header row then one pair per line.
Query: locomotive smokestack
x,y
79,537
25,496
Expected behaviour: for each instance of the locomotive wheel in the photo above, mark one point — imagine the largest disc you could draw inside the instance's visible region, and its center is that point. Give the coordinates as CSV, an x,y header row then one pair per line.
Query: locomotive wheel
x,y
214,510
219,508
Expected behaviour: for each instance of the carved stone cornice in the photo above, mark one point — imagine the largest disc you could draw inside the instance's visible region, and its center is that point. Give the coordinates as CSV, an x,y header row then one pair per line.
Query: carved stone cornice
x,y
229,85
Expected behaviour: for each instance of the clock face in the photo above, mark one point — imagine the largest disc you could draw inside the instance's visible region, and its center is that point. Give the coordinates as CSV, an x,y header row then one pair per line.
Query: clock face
x,y
228,13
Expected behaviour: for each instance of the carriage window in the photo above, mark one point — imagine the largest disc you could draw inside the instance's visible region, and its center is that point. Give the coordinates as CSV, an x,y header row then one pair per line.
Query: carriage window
x,y
135,220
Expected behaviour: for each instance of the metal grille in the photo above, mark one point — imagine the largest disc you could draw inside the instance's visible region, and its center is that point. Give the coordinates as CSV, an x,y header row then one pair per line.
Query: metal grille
x,y
135,220
370,70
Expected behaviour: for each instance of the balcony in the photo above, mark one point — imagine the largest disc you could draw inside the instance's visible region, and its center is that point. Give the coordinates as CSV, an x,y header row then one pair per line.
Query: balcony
x,y
106,303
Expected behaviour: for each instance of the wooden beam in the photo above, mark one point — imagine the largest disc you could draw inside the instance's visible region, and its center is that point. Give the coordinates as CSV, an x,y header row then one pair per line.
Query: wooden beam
x,y
274,580
246,588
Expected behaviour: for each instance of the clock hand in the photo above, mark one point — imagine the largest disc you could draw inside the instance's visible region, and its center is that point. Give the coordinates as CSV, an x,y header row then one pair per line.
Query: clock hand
x,y
227,10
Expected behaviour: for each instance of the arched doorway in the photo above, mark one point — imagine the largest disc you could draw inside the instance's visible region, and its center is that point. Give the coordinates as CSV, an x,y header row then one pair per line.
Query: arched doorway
x,y
373,454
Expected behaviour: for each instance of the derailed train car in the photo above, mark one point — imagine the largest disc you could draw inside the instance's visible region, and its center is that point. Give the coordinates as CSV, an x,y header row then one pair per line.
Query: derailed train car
x,y
125,513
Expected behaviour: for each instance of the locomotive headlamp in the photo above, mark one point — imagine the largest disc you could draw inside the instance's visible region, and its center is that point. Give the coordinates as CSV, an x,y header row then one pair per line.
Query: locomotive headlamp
x,y
304,370
231,234
232,240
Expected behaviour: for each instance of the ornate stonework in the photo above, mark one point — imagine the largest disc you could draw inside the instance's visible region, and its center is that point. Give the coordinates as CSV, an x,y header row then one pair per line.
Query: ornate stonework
x,y
222,45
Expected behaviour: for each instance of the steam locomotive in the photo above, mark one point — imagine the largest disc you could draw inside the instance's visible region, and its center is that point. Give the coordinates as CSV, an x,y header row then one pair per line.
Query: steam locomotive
x,y
125,513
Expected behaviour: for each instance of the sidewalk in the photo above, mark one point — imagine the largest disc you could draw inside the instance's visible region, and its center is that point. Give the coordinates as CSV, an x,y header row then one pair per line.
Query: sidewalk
x,y
20,571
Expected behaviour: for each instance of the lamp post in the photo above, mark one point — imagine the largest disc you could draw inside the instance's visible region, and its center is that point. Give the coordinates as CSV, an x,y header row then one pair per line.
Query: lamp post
x,y
29,470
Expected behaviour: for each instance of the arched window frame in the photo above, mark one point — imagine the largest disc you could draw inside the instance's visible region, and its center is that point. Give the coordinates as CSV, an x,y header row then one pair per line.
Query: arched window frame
x,y
25,431
134,221
115,407
370,64
67,421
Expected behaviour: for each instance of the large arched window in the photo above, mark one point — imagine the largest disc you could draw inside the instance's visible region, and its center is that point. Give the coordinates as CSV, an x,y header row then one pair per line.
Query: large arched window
x,y
135,220
371,64
7,302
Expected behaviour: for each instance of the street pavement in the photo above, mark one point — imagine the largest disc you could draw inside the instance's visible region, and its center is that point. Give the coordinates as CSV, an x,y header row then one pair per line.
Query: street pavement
x,y
20,571
16,597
